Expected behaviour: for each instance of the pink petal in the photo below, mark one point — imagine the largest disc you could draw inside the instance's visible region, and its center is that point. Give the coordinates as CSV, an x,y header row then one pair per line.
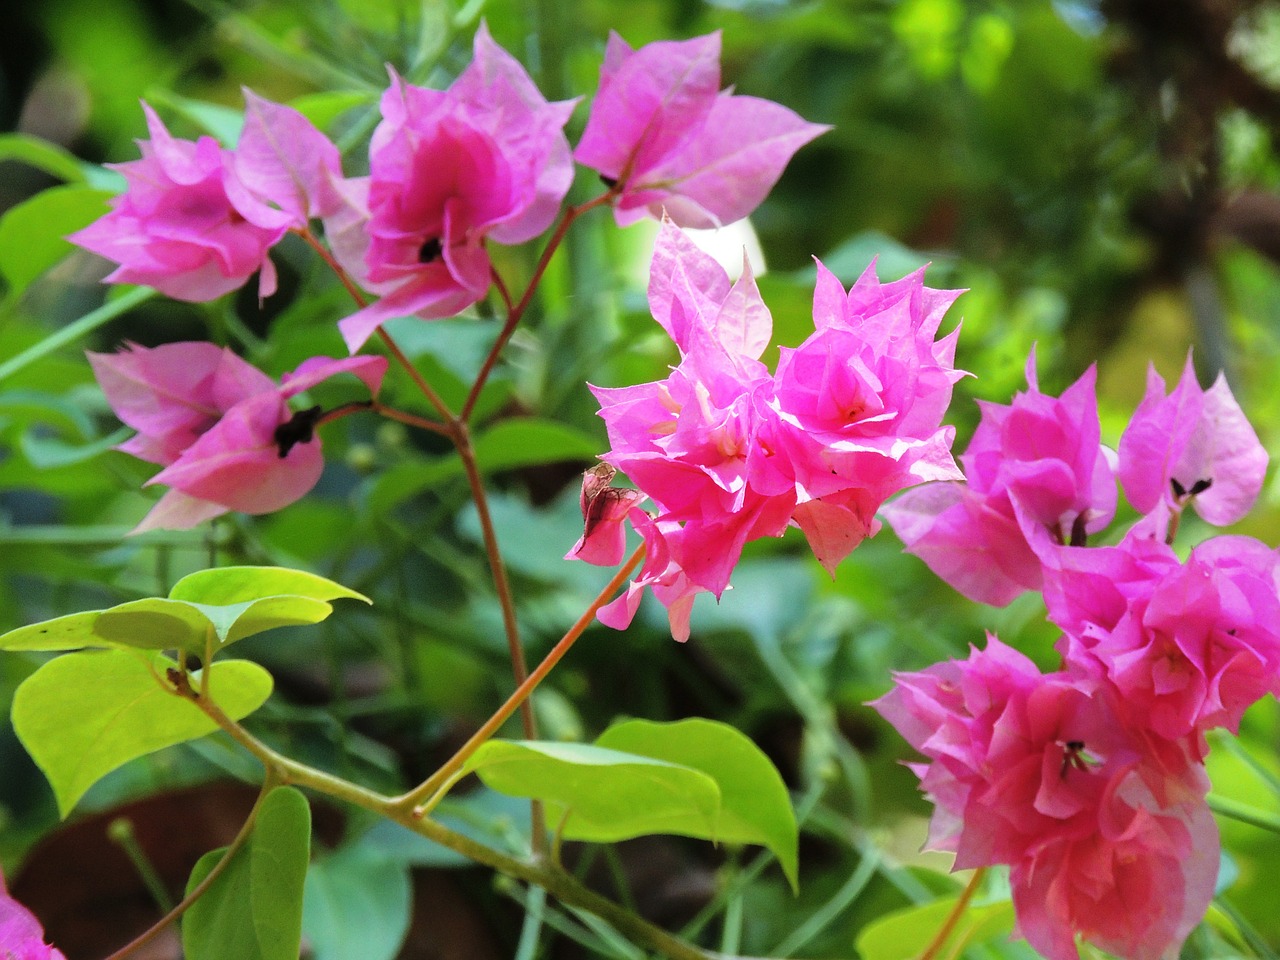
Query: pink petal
x,y
283,160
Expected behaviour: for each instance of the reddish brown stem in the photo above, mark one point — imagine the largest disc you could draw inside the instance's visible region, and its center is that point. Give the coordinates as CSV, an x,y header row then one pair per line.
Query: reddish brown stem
x,y
514,314
949,925
491,726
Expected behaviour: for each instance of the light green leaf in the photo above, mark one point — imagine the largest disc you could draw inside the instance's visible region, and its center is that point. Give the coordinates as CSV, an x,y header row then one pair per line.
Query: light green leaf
x,y
357,906
253,911
31,234
227,585
222,122
82,715
904,933
42,155
71,632
754,804
609,795
154,624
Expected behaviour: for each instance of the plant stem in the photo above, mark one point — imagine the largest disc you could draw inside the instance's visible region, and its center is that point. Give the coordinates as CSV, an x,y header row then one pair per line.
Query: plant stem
x,y
409,801
413,420
241,838
514,314
1242,812
949,925
558,883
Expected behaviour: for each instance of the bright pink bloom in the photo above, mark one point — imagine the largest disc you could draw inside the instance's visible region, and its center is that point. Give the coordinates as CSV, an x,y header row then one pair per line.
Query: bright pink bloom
x,y
661,128
287,167
186,225
21,935
1192,446
859,405
662,572
486,158
1188,647
223,430
1038,772
728,453
1037,477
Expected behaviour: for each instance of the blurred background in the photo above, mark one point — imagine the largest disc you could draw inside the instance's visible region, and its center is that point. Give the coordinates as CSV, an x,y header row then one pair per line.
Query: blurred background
x,y
1104,180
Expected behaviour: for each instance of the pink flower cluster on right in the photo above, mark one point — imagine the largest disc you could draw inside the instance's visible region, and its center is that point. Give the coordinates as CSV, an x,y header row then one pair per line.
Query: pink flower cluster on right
x,y
1089,782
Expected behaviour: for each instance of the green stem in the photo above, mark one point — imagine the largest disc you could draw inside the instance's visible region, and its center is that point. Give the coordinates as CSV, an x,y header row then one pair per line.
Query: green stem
x,y
1234,810
425,790
554,880
75,330
120,831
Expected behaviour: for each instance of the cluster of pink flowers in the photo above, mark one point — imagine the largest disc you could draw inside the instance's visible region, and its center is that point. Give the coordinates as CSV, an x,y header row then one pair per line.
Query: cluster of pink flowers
x,y
1089,782
728,452
21,936
449,171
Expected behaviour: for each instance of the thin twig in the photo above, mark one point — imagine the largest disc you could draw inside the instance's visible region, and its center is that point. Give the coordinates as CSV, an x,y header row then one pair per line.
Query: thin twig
x,y
949,925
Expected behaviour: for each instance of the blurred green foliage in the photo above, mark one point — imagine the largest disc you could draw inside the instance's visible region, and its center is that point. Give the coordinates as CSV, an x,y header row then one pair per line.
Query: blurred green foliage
x,y
1102,178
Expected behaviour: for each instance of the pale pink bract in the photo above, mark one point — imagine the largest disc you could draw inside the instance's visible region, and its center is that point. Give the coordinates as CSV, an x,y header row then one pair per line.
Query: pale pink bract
x,y
664,132
186,224
448,169
222,430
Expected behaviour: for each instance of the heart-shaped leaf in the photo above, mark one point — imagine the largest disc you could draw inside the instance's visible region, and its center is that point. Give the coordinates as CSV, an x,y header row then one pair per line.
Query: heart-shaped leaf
x,y
253,911
754,804
82,715
599,794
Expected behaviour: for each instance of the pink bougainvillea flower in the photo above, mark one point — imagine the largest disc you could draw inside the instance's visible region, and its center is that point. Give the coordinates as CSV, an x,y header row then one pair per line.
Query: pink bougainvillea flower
x,y
1188,647
1192,446
662,573
729,453
485,159
1037,476
286,170
1038,772
186,225
223,430
662,131
21,935
859,405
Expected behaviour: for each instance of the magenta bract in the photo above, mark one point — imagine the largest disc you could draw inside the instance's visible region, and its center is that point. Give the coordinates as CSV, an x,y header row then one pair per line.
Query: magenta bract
x,y
662,129
21,936
486,158
186,225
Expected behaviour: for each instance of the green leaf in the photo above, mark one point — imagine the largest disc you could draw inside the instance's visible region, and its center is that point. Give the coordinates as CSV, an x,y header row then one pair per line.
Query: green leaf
x,y
82,715
253,911
905,933
31,234
323,108
227,585
754,804
42,155
154,624
357,906
237,602
608,795
222,122
62,633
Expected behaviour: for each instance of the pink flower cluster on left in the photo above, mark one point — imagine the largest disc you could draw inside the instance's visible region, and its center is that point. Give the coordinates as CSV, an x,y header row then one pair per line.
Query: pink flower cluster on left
x,y
21,936
450,171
